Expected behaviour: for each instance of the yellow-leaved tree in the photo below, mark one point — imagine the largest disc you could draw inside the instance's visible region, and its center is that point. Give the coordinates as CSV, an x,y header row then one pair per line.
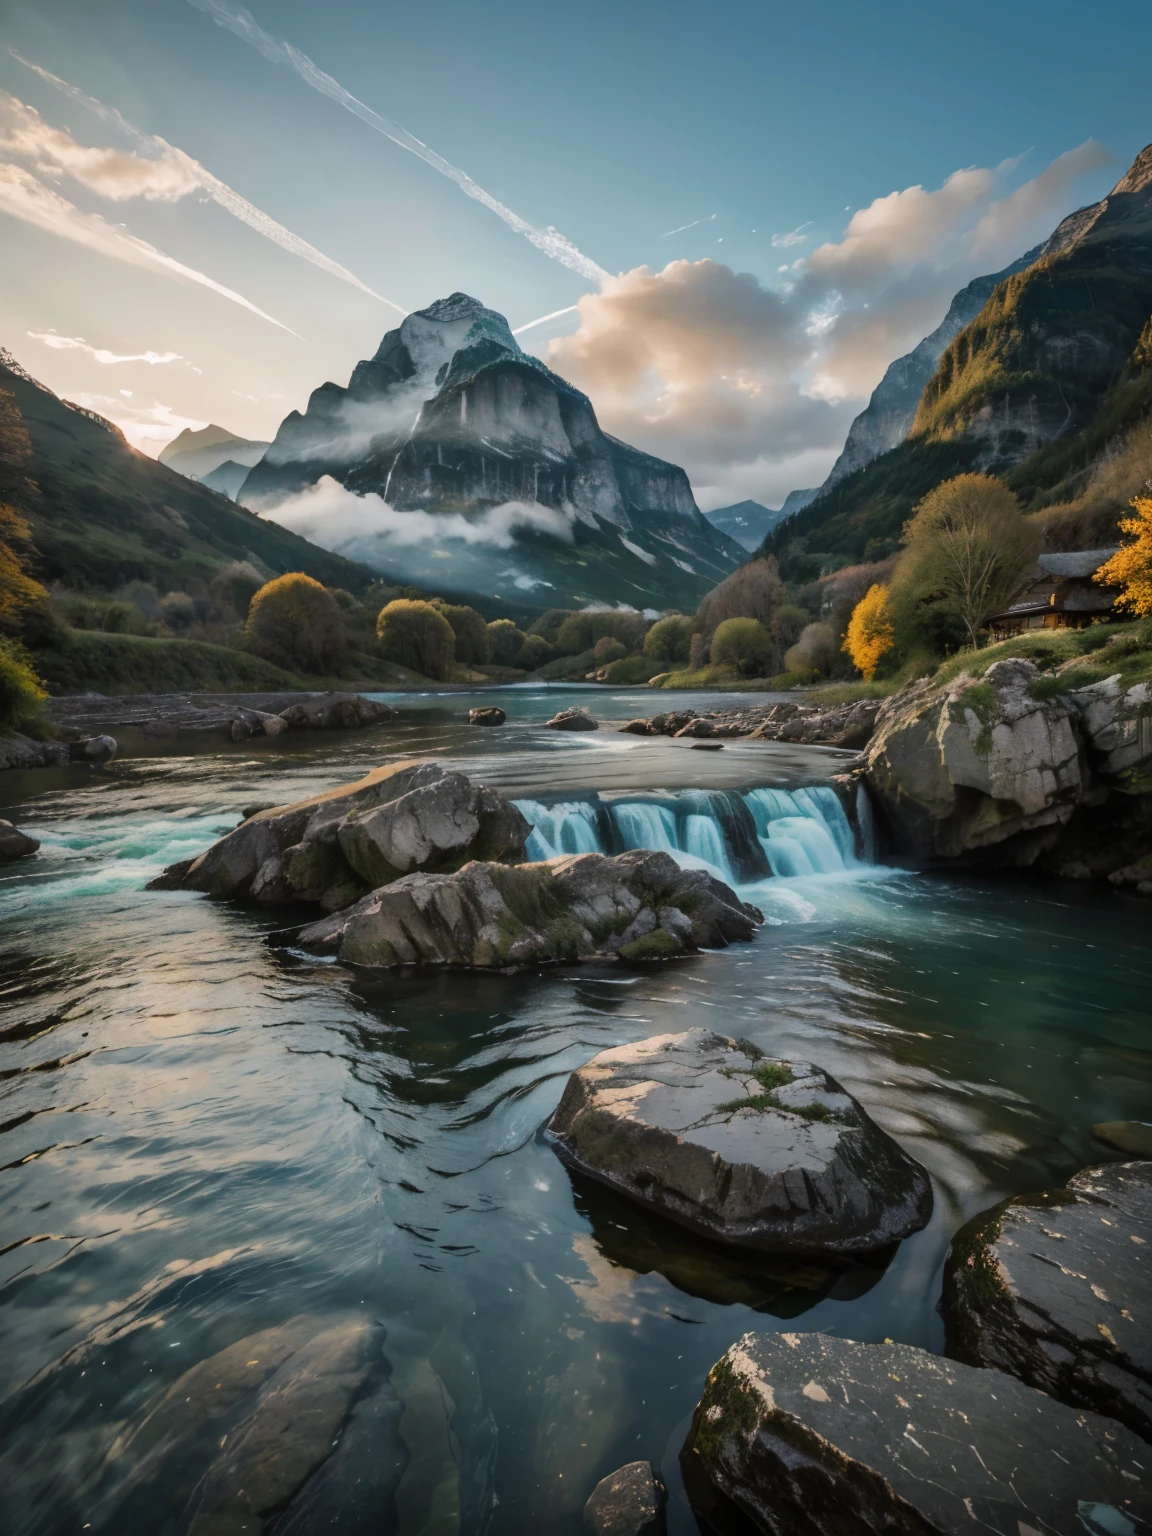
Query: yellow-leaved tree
x,y
1130,568
870,634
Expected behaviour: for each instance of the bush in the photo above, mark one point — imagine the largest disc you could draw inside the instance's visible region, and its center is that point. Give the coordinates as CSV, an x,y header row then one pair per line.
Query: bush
x,y
294,622
119,618
754,591
817,650
178,611
473,645
548,624
580,631
633,670
607,650
535,652
21,694
415,634
670,640
234,586
744,644
507,642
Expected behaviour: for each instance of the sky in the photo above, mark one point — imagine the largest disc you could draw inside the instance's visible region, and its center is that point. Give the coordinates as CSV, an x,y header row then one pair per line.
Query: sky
x,y
737,215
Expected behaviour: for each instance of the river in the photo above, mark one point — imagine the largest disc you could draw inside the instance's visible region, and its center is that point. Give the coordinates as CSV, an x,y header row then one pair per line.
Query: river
x,y
204,1134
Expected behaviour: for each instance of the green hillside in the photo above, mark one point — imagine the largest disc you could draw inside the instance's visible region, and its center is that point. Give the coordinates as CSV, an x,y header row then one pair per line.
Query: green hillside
x,y
103,514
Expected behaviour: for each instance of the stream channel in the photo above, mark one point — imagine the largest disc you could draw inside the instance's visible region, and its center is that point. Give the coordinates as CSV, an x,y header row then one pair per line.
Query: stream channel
x,y
204,1135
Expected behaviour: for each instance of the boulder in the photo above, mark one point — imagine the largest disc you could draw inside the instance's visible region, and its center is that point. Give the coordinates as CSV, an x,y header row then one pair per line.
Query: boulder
x,y
572,720
808,1435
753,1152
1054,1288
1117,722
704,727
331,848
1131,1136
15,844
337,711
491,714
976,765
628,1502
17,751
637,728
93,749
640,905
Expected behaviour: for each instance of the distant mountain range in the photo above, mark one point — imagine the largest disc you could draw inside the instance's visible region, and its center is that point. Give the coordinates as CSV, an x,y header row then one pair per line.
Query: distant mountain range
x,y
492,475
103,514
1039,386
749,523
198,454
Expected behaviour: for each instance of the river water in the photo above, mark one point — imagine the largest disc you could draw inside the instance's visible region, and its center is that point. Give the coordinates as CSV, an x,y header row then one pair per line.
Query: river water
x,y
204,1135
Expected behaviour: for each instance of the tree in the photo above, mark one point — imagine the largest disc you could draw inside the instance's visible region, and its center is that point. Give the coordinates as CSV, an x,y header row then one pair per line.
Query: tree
x,y
473,643
535,652
235,585
744,644
507,642
815,651
607,650
294,622
1130,568
414,634
21,694
967,550
580,631
870,633
754,591
669,641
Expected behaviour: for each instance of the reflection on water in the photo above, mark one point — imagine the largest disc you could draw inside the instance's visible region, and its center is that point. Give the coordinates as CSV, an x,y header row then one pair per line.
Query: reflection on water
x,y
206,1142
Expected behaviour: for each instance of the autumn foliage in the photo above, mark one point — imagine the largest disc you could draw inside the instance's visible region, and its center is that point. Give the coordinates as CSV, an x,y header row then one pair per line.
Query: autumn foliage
x,y
1130,568
295,622
870,633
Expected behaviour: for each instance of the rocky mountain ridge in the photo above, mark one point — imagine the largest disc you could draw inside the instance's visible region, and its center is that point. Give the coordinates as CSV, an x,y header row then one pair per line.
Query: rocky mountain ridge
x,y
451,417
199,453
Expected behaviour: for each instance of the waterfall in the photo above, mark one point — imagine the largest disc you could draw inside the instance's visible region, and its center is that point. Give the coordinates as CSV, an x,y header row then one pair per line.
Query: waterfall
x,y
740,837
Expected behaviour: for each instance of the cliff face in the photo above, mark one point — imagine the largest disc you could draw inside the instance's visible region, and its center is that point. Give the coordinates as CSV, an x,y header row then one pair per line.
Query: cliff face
x,y
1037,360
887,418
1040,387
451,417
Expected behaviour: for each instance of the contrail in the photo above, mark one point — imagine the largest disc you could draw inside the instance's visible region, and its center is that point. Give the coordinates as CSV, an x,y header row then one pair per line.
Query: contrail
x,y
555,315
218,190
682,227
550,240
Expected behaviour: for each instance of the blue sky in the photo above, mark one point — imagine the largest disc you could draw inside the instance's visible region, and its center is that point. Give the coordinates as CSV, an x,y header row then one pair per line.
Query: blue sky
x,y
615,124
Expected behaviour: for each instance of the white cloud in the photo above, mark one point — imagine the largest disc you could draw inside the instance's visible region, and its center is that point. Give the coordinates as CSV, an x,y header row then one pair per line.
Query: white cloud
x,y
793,237
336,519
100,354
170,167
25,198
751,388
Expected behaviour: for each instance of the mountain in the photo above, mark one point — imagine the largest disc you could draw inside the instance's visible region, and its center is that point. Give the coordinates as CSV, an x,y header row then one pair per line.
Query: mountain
x,y
746,521
471,466
887,418
1041,387
198,454
227,478
103,514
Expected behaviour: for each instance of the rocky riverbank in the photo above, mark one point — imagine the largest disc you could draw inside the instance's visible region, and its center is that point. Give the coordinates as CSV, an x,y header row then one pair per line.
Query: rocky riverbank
x,y
234,716
829,725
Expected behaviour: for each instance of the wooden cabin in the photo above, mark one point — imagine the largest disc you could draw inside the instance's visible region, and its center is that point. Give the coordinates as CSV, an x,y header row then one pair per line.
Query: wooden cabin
x,y
1060,594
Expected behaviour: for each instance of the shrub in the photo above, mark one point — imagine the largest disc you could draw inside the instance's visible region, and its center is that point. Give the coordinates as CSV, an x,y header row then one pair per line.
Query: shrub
x,y
21,694
632,670
295,623
670,639
415,634
580,631
607,650
119,618
142,595
744,644
870,633
18,591
752,592
235,585
178,611
473,644
535,652
507,642
548,624
815,651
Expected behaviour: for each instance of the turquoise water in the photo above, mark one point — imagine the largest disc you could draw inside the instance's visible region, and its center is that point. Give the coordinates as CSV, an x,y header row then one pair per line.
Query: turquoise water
x,y
202,1134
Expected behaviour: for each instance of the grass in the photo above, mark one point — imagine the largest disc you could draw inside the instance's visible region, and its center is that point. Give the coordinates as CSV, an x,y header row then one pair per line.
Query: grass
x,y
89,660
1102,649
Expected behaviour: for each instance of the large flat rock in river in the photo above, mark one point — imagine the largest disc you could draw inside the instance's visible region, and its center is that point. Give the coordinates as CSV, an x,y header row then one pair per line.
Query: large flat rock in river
x,y
1057,1288
759,1153
809,1435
